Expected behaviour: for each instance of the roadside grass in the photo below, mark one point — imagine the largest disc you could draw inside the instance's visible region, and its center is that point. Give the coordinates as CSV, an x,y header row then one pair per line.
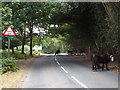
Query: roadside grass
x,y
17,54
11,79
15,79
9,64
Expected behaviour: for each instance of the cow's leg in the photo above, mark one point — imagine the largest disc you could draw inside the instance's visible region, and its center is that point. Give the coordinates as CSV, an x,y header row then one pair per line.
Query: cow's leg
x,y
106,67
98,66
93,66
103,67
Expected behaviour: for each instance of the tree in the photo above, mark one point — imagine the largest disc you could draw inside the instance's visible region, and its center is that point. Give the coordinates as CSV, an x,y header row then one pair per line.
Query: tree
x,y
28,15
95,25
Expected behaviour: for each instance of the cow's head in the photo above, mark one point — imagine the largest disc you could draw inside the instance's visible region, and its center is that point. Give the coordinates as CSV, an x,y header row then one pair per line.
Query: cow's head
x,y
112,58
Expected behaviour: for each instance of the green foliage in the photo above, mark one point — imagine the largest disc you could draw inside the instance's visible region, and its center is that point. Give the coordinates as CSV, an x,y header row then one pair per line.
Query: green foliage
x,y
75,24
4,53
17,54
15,41
81,25
26,49
92,25
36,52
8,64
52,44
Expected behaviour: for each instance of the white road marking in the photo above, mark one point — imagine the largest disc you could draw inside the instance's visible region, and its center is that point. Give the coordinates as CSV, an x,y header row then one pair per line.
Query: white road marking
x,y
79,82
71,76
64,70
55,59
61,66
58,63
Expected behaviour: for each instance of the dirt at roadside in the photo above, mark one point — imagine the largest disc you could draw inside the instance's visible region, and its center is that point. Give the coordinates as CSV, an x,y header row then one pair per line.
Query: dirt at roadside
x,y
113,66
13,79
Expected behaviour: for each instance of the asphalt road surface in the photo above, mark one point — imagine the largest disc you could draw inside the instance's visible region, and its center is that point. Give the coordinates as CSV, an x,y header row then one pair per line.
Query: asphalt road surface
x,y
64,71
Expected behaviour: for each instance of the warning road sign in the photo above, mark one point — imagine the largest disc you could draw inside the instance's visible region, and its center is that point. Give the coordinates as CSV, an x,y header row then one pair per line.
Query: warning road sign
x,y
9,32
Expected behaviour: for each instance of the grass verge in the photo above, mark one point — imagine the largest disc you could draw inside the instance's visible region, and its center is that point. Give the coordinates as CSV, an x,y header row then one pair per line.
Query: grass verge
x,y
13,79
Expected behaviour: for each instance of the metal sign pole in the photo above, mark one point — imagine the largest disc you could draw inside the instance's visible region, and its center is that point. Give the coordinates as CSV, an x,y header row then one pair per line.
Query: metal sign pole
x,y
8,47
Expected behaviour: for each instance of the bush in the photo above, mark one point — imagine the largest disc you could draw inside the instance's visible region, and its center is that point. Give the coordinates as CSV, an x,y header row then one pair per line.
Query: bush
x,y
8,64
17,54
36,52
4,53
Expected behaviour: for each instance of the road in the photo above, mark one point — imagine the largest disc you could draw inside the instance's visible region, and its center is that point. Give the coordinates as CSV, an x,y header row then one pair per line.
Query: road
x,y
66,71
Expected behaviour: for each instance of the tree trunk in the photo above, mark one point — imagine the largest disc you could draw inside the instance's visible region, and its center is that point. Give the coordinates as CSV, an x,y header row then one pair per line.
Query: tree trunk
x,y
23,47
23,42
13,50
17,48
31,33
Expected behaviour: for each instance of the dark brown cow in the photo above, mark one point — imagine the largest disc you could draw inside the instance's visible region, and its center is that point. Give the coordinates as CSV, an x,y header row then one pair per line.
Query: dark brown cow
x,y
57,52
100,59
70,52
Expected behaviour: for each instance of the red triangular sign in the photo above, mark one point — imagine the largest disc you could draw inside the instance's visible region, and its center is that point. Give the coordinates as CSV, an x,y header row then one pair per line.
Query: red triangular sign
x,y
9,32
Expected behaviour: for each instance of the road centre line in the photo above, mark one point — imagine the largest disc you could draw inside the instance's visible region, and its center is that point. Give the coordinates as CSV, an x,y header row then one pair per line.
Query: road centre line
x,y
61,66
64,70
79,82
55,59
58,63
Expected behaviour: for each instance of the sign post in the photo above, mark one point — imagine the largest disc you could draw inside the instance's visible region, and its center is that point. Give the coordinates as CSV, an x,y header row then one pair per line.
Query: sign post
x,y
9,32
8,47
